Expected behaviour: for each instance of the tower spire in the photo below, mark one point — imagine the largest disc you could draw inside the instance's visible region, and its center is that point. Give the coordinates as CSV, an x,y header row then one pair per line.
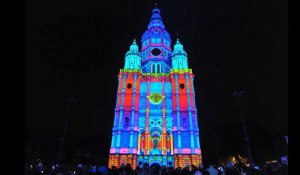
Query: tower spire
x,y
177,39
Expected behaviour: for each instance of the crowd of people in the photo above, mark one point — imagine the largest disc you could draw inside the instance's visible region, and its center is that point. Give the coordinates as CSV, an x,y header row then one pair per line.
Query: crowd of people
x,y
145,169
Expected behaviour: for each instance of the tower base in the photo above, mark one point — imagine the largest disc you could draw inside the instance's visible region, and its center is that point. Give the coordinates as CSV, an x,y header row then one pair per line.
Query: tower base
x,y
178,160
162,160
122,159
183,160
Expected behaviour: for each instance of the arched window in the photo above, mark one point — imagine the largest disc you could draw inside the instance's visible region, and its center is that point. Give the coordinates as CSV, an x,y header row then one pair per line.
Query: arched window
x,y
153,68
184,123
126,122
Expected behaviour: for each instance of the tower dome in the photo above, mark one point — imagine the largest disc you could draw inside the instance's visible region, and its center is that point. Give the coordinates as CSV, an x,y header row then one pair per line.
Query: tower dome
x,y
133,57
179,57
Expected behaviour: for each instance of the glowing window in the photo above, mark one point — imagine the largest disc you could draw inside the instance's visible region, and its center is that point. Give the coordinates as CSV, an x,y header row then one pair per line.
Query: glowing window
x,y
156,40
153,68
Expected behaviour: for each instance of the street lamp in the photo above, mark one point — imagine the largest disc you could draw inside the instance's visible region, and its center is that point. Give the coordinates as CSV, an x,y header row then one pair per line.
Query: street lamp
x,y
69,101
238,94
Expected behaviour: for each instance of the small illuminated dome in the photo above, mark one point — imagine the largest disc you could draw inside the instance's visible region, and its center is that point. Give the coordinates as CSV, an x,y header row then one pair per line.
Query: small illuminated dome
x,y
179,57
133,57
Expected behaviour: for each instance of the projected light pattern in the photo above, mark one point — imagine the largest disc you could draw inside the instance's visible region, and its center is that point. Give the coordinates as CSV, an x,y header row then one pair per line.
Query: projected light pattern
x,y
155,115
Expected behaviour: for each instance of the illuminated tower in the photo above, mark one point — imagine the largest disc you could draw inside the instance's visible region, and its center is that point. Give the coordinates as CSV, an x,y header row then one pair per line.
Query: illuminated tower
x,y
155,116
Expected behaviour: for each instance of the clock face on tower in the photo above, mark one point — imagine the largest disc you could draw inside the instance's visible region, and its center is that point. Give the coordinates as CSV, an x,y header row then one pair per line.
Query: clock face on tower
x,y
155,51
155,98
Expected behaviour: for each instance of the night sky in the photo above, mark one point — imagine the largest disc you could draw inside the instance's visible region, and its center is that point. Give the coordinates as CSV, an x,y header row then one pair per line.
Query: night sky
x,y
76,48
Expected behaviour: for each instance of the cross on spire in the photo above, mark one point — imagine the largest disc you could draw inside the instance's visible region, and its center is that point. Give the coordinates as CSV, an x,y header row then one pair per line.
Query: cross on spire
x,y
155,4
177,38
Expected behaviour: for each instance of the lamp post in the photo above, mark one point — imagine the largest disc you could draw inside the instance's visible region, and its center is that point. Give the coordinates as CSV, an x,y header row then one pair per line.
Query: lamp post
x,y
238,94
69,101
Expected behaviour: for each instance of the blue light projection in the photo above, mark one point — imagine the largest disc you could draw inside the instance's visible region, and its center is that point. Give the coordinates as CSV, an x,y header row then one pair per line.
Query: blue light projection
x,y
155,115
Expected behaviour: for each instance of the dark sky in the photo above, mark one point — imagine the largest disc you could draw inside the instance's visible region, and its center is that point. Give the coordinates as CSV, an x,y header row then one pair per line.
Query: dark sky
x,y
76,48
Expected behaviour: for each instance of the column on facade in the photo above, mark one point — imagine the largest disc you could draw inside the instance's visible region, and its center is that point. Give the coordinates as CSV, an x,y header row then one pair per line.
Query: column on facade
x,y
190,113
117,113
117,101
195,113
132,112
164,151
178,114
171,142
195,110
147,134
121,111
139,142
